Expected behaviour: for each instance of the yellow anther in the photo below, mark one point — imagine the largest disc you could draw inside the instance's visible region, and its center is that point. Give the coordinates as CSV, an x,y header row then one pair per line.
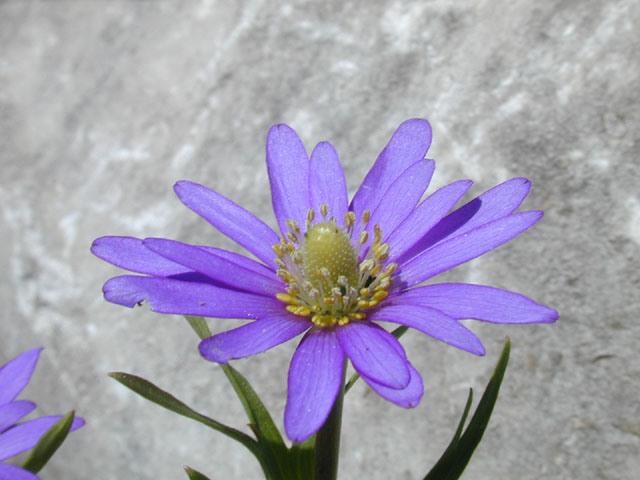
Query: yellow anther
x,y
292,237
343,321
364,292
299,310
328,300
376,270
382,249
324,210
349,219
276,248
359,315
364,236
283,297
380,295
363,303
373,303
366,216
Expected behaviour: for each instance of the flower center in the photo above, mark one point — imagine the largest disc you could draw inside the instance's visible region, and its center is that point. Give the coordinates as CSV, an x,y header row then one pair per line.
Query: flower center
x,y
325,279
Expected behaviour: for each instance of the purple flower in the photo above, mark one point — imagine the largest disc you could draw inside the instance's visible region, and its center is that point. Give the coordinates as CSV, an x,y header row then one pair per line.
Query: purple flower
x,y
15,439
338,269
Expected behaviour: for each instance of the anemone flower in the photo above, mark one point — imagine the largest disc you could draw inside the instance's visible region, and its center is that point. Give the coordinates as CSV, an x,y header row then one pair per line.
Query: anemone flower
x,y
15,439
337,269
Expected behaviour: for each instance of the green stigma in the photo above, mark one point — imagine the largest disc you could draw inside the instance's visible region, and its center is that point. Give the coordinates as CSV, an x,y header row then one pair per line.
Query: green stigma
x,y
328,255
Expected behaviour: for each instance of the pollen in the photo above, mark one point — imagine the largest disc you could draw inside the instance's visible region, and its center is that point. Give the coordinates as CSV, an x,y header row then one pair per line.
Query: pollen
x,y
326,279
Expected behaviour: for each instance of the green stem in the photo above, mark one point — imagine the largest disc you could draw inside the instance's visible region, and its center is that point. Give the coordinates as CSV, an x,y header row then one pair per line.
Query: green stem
x,y
327,449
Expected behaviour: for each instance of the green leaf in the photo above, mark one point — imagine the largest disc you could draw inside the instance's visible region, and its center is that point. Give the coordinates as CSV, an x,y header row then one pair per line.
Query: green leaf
x,y
149,391
200,326
457,455
194,474
398,332
270,441
49,443
269,438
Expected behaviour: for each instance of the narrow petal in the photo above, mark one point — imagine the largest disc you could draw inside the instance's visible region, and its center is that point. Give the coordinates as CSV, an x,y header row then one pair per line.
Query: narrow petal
x,y
130,253
13,472
402,196
375,353
407,397
423,218
166,295
408,144
288,167
252,338
15,374
235,222
222,270
432,322
493,204
24,436
461,300
462,248
11,413
315,378
327,183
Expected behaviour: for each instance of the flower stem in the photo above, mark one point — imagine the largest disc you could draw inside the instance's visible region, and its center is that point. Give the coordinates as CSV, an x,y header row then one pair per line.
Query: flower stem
x,y
327,449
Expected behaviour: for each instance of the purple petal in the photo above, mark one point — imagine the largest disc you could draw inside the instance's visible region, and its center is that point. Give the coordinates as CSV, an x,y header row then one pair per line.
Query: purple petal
x,y
166,295
315,378
493,204
375,353
11,413
288,167
240,260
423,218
12,472
461,300
253,338
130,253
24,436
402,196
408,144
15,374
407,397
430,321
231,219
220,269
327,183
464,247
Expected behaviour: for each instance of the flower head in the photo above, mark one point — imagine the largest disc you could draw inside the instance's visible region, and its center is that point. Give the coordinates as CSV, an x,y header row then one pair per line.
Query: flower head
x,y
336,269
15,439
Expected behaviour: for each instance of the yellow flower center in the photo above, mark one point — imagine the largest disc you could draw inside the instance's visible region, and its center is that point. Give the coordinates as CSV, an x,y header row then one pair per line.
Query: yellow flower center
x,y
325,279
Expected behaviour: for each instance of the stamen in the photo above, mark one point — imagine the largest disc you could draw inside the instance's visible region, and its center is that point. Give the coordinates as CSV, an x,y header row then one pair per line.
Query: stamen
x,y
325,279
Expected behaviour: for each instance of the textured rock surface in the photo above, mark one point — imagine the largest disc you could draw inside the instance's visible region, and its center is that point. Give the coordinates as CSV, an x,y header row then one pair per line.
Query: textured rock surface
x,y
103,106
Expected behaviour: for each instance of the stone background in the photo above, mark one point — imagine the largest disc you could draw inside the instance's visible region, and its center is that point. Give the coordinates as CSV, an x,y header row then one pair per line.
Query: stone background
x,y
104,105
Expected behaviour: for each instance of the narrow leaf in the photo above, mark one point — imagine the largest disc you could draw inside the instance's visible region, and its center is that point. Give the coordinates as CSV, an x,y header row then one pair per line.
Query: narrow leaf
x,y
443,465
269,438
199,324
270,441
457,456
49,443
194,474
149,391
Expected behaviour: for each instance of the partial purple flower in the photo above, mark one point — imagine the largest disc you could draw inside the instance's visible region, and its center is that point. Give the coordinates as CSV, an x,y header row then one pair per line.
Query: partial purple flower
x,y
337,269
16,438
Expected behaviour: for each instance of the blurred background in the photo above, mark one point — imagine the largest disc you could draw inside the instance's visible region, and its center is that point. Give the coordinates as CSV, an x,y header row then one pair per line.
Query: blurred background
x,y
104,105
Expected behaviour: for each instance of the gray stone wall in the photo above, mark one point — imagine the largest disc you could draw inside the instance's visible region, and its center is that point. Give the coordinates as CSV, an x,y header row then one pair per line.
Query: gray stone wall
x,y
105,104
